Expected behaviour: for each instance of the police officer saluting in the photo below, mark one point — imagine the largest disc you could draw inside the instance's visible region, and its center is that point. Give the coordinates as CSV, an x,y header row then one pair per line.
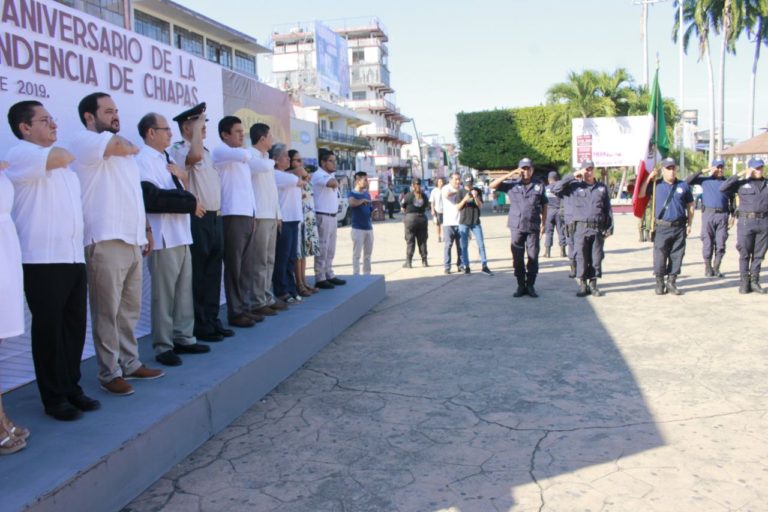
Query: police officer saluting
x,y
593,222
555,221
673,216
527,213
752,228
714,224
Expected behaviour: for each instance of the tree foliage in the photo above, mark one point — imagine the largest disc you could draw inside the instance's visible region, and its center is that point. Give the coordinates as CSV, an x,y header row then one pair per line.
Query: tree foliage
x,y
498,139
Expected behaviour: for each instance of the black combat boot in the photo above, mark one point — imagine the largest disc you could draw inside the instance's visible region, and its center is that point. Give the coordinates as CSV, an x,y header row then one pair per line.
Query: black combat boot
x,y
530,281
593,289
572,273
661,289
408,263
562,252
708,269
755,283
521,290
672,285
716,266
424,262
744,284
547,251
583,290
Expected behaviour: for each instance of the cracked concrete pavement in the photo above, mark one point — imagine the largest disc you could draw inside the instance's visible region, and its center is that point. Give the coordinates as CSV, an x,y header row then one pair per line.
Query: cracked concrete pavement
x,y
450,395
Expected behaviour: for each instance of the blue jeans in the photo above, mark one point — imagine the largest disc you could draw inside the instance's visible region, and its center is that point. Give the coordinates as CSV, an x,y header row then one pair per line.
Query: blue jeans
x,y
477,232
451,237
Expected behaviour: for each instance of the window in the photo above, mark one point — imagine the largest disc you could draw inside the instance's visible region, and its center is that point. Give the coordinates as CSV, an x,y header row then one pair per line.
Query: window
x,y
358,95
152,27
323,125
188,41
358,56
107,10
245,63
219,53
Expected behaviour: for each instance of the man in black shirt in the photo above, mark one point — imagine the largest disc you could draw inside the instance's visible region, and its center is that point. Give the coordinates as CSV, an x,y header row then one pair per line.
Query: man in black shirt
x,y
469,201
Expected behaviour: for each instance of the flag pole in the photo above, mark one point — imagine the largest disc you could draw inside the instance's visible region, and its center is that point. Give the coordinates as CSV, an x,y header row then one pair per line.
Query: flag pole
x,y
656,141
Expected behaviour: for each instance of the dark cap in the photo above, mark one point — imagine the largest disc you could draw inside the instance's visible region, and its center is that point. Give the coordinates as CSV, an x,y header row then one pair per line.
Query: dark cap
x,y
587,164
668,162
525,162
468,178
415,181
193,112
718,162
553,174
755,163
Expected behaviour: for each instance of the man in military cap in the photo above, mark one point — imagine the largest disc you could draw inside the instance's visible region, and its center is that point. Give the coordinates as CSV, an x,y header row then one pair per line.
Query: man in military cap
x,y
752,227
207,231
673,216
527,213
716,208
593,222
554,220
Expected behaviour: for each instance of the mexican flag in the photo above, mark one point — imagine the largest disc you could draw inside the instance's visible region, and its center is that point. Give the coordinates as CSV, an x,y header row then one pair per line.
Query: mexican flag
x,y
658,146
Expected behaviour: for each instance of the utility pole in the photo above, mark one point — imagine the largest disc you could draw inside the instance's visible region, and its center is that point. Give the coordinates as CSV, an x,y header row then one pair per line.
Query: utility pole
x,y
644,35
682,60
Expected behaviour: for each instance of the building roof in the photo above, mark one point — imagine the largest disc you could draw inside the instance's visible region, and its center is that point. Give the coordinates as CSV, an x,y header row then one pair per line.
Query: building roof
x,y
755,146
195,20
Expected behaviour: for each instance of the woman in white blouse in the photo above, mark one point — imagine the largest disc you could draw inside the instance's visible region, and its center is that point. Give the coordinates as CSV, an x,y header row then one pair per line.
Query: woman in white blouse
x,y
12,437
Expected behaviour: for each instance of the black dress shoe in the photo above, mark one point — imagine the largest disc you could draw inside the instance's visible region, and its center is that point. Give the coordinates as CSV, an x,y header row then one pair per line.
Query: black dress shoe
x,y
64,412
227,333
195,348
336,281
85,403
324,285
168,358
210,336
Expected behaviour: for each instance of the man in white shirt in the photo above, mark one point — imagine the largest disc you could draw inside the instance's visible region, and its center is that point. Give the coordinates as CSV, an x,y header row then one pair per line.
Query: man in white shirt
x,y
238,210
289,197
451,216
170,263
436,203
268,218
324,187
116,236
207,231
48,214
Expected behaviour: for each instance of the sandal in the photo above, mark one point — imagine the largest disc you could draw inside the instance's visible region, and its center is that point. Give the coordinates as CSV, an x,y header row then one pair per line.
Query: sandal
x,y
10,443
15,430
304,292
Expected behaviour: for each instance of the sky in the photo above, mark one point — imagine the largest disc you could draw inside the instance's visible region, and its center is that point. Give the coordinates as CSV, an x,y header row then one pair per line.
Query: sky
x,y
447,57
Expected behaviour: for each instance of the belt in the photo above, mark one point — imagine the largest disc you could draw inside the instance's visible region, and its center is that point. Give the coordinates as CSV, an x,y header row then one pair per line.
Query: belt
x,y
326,214
590,225
752,215
675,223
216,213
714,210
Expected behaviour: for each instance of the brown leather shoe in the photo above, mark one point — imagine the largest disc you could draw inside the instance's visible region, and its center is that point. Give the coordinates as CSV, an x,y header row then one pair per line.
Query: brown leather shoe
x,y
279,305
255,317
264,311
241,321
118,386
145,373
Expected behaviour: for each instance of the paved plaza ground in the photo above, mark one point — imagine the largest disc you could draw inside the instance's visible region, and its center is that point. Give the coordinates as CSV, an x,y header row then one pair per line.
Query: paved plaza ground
x,y
450,395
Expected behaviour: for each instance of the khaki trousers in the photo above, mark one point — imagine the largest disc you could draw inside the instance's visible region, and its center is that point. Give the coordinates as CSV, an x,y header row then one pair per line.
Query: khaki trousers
x,y
265,239
362,242
173,314
326,228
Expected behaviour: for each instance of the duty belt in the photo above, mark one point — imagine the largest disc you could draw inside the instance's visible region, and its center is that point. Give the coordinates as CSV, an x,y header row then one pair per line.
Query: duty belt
x,y
714,210
752,215
590,225
326,214
675,223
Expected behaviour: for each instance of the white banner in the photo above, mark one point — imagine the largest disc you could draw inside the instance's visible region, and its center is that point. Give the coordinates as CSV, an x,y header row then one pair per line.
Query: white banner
x,y
611,141
58,55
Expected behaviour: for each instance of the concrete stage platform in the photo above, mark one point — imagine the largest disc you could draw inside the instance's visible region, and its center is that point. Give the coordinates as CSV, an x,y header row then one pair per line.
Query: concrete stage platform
x,y
104,460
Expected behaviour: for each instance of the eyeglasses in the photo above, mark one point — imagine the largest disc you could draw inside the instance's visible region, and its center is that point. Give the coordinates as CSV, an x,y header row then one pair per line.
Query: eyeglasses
x,y
166,128
45,120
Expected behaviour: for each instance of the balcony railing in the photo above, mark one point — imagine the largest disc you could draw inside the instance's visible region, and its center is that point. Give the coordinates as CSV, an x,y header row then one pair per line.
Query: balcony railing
x,y
369,74
385,133
342,138
376,105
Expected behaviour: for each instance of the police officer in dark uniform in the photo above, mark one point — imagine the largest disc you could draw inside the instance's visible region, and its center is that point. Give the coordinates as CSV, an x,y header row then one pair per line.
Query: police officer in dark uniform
x,y
593,222
673,216
566,207
527,213
555,221
207,248
716,207
752,227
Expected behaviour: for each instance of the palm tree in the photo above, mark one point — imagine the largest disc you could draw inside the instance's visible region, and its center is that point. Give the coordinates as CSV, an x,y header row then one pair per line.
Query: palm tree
x,y
617,87
728,21
757,27
592,94
697,15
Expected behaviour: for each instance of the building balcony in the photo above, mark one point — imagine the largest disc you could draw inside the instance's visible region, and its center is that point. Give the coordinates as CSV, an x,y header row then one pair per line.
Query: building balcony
x,y
342,139
374,76
379,105
390,161
381,132
367,43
